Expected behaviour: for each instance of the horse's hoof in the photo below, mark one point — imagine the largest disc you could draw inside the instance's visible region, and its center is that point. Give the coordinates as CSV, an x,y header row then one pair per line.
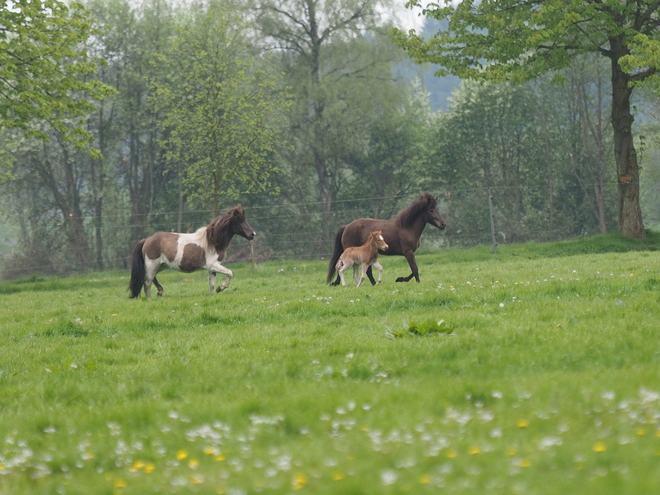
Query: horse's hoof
x,y
402,279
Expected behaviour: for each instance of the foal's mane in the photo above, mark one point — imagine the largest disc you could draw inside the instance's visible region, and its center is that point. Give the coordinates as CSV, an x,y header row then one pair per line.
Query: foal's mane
x,y
407,216
219,229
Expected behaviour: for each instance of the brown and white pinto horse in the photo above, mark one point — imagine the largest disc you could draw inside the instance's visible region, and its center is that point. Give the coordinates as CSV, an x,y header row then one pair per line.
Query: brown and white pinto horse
x,y
365,255
205,248
402,234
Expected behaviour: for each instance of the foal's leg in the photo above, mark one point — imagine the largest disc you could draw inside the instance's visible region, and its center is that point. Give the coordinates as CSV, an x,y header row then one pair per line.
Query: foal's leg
x,y
341,268
380,271
218,268
356,277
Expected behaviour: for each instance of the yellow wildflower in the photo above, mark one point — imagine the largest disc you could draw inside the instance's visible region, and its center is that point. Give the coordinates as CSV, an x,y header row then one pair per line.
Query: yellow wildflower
x,y
299,481
425,479
338,476
181,455
600,447
523,423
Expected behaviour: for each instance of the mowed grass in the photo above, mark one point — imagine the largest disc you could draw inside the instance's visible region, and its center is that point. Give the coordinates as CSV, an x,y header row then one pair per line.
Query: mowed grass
x,y
549,383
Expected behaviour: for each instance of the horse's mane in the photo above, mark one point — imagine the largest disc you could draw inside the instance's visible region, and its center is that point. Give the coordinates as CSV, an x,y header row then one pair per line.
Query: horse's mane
x,y
220,227
407,216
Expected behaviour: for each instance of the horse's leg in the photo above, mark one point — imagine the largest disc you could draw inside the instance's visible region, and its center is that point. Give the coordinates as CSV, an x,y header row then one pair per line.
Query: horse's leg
x,y
371,276
211,282
410,256
356,277
380,271
218,268
363,273
340,274
150,275
158,286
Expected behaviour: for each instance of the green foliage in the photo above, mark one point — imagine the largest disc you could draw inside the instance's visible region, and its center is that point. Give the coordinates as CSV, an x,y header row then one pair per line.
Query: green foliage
x,y
428,327
45,70
221,105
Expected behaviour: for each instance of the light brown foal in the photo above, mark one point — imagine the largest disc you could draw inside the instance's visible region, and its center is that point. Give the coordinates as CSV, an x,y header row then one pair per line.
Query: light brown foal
x,y
365,255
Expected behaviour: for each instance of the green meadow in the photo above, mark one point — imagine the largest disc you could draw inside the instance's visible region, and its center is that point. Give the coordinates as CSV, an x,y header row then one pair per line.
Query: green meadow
x,y
533,371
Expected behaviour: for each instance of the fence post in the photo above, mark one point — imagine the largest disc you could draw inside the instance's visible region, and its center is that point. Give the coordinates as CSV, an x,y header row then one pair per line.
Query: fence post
x,y
492,221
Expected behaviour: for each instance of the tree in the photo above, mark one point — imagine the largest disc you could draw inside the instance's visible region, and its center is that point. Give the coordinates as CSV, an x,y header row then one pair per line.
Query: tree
x,y
220,104
44,68
519,40
327,45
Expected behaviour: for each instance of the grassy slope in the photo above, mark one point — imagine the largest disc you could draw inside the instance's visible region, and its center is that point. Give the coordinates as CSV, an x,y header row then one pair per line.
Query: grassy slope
x,y
549,383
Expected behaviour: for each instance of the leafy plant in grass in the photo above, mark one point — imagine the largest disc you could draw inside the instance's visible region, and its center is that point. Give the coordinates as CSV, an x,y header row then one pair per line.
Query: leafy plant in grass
x,y
424,328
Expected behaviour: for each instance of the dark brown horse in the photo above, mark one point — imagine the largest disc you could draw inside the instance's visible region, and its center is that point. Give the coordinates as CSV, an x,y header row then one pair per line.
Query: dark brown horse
x,y
402,234
205,248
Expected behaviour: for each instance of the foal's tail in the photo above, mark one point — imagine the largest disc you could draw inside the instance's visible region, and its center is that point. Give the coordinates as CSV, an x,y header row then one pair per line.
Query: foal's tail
x,y
138,271
339,248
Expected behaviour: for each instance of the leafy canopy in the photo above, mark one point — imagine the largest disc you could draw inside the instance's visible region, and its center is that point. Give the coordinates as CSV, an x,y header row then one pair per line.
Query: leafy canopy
x,y
519,39
45,72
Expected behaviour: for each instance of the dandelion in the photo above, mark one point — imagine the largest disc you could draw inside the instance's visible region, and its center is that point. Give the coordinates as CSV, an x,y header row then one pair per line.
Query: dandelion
x,y
210,451
425,479
451,453
299,481
193,463
149,467
197,479
511,451
181,454
474,450
522,423
599,447
338,476
640,432
524,463
120,483
219,457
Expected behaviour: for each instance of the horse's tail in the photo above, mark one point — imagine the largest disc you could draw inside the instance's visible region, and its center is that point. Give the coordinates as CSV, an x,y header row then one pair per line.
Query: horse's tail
x,y
138,271
339,248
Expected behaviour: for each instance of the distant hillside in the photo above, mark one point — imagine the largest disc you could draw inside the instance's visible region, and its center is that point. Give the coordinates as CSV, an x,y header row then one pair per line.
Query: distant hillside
x,y
439,88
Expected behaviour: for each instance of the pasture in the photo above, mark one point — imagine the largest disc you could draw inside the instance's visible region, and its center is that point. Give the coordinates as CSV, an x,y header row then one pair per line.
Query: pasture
x,y
549,382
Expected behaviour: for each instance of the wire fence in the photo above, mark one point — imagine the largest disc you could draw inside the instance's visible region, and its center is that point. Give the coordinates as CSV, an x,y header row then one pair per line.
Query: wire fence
x,y
297,230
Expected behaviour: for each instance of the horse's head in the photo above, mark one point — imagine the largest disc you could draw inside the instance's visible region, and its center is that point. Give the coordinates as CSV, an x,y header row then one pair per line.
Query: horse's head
x,y
433,213
240,225
377,238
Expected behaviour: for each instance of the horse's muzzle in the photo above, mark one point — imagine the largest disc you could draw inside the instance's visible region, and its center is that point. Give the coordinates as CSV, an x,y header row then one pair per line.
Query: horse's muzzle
x,y
252,235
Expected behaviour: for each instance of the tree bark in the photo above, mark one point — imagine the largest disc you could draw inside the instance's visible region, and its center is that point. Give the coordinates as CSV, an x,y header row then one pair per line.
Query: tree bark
x,y
629,210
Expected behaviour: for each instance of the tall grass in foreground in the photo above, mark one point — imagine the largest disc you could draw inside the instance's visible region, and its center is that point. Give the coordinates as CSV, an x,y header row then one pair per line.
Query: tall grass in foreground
x,y
549,383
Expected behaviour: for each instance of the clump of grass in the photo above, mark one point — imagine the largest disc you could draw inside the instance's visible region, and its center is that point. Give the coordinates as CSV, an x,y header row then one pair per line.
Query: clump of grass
x,y
428,327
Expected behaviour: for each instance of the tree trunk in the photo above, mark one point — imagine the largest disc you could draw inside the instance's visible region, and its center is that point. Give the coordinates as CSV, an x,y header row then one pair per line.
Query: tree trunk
x,y
630,212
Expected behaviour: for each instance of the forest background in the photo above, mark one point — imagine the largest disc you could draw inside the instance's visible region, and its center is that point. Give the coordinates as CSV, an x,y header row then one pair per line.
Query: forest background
x,y
306,113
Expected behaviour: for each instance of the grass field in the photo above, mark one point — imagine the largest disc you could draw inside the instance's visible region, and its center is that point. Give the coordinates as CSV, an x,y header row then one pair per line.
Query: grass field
x,y
549,382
